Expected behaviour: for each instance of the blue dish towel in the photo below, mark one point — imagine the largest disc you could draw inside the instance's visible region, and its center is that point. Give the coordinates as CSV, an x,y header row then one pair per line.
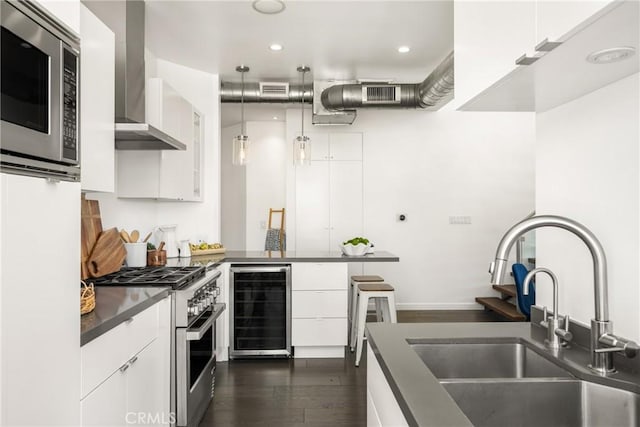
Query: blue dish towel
x,y
524,301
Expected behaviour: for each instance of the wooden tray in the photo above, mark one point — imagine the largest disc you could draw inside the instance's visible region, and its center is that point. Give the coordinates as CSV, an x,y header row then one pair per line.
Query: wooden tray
x,y
207,251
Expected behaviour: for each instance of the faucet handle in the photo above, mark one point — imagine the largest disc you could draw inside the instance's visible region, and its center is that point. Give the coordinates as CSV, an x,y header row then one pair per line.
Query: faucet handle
x,y
544,322
565,334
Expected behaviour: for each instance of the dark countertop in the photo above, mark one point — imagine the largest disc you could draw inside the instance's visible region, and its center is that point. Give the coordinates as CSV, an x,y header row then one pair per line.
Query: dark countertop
x,y
279,257
114,305
423,400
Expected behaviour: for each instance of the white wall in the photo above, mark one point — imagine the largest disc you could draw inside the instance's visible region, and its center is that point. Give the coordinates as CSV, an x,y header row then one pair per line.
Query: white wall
x,y
587,168
266,179
195,220
233,202
429,166
249,191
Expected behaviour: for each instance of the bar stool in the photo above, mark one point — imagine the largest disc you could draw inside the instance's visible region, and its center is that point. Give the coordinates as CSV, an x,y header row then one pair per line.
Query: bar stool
x,y
353,294
384,296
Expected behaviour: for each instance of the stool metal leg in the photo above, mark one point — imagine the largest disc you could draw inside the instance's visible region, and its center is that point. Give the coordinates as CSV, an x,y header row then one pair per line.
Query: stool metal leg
x,y
363,301
354,319
391,307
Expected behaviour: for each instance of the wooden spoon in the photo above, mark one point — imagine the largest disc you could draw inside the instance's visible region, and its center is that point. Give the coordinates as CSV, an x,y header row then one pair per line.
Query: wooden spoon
x,y
147,238
161,246
125,236
135,235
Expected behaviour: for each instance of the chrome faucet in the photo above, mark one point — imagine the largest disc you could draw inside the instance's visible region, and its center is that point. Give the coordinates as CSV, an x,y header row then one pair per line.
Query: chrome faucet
x,y
552,323
603,341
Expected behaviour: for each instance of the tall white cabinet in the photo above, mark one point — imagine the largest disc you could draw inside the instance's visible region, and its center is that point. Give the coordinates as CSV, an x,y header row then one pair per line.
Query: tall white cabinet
x,y
39,302
97,103
329,192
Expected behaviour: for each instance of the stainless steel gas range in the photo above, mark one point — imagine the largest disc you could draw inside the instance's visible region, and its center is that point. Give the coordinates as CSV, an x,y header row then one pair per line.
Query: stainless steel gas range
x,y
194,313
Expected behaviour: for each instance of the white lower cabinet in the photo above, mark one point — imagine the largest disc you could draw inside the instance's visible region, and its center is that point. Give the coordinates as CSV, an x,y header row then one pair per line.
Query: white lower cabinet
x,y
319,309
125,372
382,407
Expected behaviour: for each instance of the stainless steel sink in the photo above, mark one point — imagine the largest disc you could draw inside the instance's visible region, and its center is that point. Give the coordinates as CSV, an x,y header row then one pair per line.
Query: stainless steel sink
x,y
544,402
485,360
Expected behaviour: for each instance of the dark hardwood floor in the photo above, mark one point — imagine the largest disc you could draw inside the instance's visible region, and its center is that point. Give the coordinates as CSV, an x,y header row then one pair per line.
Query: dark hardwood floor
x,y
305,392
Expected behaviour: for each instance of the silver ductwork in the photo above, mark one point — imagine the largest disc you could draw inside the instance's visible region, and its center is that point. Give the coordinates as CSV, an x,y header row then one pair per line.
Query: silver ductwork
x,y
266,92
132,132
438,85
336,102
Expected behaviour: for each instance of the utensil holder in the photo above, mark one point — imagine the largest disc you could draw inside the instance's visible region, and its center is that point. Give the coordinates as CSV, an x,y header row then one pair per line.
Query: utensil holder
x,y
156,257
136,254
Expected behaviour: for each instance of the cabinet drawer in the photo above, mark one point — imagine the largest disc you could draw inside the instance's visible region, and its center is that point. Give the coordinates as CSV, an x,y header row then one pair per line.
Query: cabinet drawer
x,y
107,353
318,276
313,304
319,332
102,357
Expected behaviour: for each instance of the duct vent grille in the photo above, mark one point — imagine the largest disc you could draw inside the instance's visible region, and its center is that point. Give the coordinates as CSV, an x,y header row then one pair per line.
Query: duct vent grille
x,y
274,89
381,94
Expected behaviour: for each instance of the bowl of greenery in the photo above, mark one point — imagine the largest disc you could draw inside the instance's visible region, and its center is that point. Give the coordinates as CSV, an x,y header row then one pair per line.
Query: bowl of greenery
x,y
358,246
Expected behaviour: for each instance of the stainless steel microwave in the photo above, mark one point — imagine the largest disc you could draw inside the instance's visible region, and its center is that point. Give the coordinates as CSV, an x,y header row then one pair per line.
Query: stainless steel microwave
x,y
39,133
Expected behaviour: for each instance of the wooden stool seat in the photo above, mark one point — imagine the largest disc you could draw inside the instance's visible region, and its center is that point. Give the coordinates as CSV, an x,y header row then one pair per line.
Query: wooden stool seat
x,y
375,287
367,278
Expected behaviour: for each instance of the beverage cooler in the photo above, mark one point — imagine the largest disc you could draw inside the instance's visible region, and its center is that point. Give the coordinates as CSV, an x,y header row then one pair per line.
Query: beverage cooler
x,y
260,301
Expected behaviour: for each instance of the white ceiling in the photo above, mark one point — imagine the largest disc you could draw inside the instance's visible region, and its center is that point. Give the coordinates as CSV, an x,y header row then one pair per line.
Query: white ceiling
x,y
337,39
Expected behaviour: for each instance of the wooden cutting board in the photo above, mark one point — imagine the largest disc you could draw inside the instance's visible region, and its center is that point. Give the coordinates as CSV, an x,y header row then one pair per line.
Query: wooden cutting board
x,y
91,227
107,255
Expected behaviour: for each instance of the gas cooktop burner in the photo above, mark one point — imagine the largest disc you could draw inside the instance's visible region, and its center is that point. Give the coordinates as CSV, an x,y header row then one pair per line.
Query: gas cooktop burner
x,y
176,277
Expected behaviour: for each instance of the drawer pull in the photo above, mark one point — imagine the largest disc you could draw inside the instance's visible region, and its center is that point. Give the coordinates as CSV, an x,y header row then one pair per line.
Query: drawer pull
x,y
124,367
129,320
133,360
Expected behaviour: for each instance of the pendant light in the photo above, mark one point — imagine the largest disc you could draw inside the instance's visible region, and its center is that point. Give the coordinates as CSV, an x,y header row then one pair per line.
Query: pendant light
x,y
302,144
241,142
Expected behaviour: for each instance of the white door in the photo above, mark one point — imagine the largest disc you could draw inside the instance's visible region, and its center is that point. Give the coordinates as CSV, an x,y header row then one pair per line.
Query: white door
x,y
346,201
345,146
107,404
40,278
147,386
312,207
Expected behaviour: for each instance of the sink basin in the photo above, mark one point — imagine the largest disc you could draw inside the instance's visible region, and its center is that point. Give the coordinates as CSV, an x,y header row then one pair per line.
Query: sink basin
x,y
485,360
543,402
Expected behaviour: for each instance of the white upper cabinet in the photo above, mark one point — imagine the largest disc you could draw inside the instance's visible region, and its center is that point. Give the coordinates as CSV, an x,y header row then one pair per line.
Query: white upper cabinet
x,y
67,11
488,38
555,19
336,146
559,72
166,174
97,103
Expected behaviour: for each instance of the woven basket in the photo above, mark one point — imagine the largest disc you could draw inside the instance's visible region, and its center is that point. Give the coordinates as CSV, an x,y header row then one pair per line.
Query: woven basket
x,y
87,298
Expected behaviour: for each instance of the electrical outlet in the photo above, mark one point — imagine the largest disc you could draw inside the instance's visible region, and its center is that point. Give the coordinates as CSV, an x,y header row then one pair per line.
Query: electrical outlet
x,y
459,220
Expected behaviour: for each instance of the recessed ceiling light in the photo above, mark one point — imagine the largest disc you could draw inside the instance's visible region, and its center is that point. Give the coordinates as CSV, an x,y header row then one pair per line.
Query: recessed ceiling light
x,y
607,56
404,49
269,7
275,47
275,117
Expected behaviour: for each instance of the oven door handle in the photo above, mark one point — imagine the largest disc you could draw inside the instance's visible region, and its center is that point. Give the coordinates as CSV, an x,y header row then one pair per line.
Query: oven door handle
x,y
197,334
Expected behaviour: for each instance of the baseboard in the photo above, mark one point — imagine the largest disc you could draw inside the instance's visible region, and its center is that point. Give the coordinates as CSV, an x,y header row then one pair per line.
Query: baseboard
x,y
439,306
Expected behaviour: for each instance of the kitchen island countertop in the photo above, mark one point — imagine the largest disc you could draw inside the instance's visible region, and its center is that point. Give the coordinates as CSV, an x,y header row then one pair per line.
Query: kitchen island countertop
x,y
266,257
424,401
114,305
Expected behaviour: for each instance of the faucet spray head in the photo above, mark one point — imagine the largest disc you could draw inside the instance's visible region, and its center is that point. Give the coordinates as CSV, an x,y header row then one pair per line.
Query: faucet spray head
x,y
497,270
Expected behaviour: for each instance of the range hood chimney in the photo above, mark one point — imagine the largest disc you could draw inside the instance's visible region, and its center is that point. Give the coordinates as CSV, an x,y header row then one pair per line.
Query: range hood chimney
x,y
126,18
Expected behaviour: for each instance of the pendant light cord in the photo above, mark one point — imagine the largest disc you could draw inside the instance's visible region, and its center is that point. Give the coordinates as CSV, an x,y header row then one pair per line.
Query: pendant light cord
x,y
302,105
242,105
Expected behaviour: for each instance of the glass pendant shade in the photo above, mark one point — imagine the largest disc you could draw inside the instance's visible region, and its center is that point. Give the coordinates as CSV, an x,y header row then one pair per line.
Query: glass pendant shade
x,y
240,150
302,151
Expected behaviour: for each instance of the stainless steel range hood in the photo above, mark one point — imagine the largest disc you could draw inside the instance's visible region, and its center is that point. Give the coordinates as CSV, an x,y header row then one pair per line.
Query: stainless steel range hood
x,y
126,18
